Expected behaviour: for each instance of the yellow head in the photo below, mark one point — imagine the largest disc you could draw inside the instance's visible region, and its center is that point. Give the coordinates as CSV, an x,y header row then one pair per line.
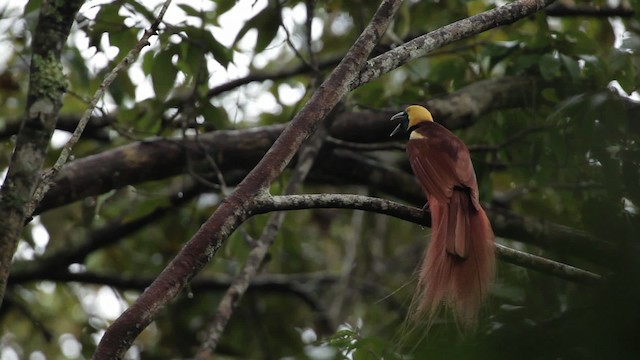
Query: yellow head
x,y
410,118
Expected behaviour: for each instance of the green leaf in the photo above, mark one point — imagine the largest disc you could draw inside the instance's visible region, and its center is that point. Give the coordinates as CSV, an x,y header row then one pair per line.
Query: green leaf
x,y
190,10
206,41
123,40
190,61
571,65
147,62
550,94
32,5
138,7
523,63
266,22
221,53
122,88
107,21
163,74
549,66
215,115
222,6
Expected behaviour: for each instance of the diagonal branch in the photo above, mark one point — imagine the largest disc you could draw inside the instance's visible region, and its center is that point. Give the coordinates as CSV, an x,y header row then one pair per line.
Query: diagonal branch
x,y
233,211
422,45
256,257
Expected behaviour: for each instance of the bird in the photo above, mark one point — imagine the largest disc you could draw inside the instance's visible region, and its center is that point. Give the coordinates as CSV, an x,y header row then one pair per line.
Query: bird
x,y
459,263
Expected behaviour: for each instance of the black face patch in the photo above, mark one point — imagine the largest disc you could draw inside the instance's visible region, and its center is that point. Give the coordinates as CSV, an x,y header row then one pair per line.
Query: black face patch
x,y
404,122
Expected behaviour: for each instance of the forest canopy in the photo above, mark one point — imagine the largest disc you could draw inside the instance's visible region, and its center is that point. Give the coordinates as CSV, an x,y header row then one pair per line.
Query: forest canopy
x,y
216,178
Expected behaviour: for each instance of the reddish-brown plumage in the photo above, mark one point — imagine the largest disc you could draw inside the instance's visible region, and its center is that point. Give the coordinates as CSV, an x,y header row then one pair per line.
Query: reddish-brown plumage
x,y
458,265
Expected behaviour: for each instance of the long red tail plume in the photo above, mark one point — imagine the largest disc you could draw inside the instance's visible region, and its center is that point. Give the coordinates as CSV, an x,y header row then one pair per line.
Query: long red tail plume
x,y
459,263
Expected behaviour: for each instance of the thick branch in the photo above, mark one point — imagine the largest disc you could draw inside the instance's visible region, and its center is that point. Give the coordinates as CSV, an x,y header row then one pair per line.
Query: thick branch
x,y
547,266
239,150
242,149
199,250
47,84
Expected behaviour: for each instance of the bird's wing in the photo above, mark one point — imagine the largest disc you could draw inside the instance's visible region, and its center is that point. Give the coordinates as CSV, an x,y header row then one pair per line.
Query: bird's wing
x,y
441,162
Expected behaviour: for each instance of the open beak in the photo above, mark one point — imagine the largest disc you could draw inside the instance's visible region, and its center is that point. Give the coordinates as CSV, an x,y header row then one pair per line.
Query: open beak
x,y
402,116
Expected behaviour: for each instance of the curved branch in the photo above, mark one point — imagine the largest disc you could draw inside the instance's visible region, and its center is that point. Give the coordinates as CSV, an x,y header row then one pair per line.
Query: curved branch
x,y
283,74
417,216
238,151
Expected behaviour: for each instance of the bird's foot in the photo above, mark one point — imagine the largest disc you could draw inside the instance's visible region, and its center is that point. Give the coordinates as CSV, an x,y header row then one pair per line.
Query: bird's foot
x,y
425,208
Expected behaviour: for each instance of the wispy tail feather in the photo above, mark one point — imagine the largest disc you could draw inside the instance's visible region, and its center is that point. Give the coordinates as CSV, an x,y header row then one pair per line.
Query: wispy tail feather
x,y
459,263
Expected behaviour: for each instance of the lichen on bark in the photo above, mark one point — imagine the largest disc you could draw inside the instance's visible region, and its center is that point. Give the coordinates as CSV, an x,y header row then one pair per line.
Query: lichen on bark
x,y
48,79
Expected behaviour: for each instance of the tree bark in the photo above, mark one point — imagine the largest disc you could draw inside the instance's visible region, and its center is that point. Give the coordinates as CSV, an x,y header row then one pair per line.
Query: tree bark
x,y
47,84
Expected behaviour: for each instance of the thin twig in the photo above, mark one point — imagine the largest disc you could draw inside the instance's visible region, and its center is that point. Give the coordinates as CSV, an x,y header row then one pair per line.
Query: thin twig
x,y
47,177
290,43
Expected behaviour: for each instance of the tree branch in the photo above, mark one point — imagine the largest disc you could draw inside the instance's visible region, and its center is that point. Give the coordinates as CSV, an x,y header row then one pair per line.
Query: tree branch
x,y
242,149
233,295
282,74
422,45
67,122
233,211
47,84
417,216
48,176
97,239
547,266
296,284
